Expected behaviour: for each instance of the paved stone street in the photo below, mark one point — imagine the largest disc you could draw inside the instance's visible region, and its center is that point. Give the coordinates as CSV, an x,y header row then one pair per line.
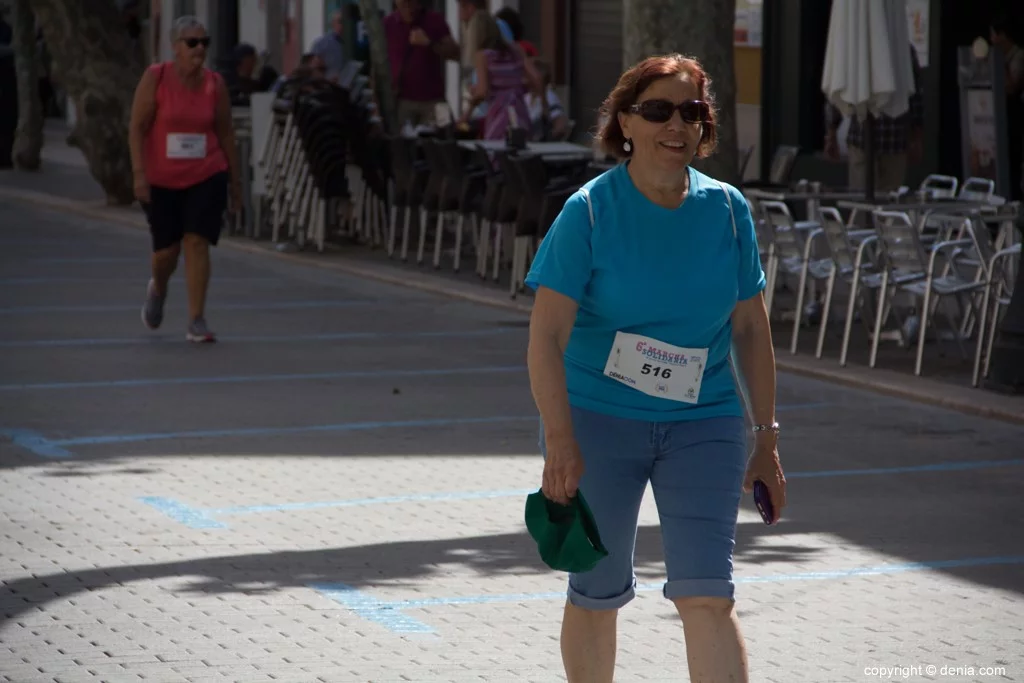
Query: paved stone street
x,y
334,492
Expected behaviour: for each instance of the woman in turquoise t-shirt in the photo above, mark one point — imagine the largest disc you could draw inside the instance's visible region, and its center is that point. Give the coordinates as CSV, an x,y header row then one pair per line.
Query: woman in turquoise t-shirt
x,y
646,280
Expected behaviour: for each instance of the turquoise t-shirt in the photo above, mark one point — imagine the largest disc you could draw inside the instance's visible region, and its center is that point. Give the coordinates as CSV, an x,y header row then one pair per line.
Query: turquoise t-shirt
x,y
672,275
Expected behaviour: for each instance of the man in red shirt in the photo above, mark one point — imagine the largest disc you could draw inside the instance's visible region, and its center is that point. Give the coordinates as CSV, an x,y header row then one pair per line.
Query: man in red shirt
x,y
419,42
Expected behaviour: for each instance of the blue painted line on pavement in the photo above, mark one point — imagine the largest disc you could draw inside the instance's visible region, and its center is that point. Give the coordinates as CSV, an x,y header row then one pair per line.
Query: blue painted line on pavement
x,y
61,444
384,500
265,306
50,242
89,259
280,431
62,279
935,467
57,448
365,606
194,518
516,493
36,443
388,613
256,339
241,379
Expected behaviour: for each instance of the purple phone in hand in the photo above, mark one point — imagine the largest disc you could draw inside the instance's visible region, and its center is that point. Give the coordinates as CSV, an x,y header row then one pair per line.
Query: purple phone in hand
x,y
763,501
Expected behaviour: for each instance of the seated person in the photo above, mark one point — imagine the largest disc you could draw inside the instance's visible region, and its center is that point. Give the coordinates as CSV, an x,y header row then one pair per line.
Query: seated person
x,y
503,76
238,76
311,68
548,119
479,113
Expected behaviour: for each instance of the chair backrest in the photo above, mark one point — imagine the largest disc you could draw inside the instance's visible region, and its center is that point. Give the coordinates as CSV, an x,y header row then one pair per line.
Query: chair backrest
x,y
451,155
533,180
782,164
402,151
512,188
761,227
939,186
900,243
435,163
984,247
843,254
978,189
532,172
981,190
788,241
433,155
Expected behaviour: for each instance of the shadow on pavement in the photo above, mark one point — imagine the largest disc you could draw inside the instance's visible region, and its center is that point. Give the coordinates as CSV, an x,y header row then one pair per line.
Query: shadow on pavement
x,y
360,567
932,518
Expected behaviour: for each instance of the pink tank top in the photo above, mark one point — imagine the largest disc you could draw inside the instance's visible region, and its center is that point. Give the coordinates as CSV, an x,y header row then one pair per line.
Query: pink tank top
x,y
182,148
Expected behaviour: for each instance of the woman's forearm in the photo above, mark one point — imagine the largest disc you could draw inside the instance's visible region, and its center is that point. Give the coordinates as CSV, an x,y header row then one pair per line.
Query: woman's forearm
x,y
545,359
756,358
136,142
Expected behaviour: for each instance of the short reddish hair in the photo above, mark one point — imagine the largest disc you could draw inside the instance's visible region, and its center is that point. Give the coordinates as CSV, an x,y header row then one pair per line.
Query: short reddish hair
x,y
635,81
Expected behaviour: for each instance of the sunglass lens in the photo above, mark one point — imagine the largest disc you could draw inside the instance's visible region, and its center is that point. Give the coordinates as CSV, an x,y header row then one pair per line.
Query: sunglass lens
x,y
656,111
193,42
694,111
690,112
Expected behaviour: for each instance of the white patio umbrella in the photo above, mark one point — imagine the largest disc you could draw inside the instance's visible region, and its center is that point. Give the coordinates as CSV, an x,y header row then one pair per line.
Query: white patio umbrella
x,y
868,69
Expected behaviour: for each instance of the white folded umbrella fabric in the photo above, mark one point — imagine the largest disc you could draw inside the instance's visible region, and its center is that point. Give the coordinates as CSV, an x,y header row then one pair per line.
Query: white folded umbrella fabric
x,y
868,67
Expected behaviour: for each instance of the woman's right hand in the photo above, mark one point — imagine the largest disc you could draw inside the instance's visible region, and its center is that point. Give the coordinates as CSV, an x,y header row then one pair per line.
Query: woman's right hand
x,y
141,188
563,469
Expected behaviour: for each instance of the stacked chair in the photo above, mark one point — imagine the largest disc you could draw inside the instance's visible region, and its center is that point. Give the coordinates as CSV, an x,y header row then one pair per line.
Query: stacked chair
x,y
495,206
332,172
318,129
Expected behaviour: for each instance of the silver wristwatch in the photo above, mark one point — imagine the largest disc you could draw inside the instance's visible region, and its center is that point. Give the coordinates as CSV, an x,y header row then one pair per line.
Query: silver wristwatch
x,y
773,427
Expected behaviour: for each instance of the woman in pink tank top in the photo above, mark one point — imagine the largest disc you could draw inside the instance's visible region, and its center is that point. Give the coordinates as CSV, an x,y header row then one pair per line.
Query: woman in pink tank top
x,y
183,147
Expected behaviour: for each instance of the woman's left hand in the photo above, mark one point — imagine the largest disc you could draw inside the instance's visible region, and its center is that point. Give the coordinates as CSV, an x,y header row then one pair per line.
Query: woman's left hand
x,y
764,465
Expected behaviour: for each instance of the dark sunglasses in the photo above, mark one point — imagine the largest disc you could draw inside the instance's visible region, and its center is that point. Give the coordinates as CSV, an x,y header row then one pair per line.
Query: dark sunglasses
x,y
192,42
660,111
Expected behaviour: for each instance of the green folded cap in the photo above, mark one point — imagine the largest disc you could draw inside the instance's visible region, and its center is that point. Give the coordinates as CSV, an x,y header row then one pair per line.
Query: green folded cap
x,y
566,535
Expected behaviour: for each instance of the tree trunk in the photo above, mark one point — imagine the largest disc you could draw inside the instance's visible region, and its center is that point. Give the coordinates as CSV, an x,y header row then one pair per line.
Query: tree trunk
x,y
28,139
703,30
380,67
94,60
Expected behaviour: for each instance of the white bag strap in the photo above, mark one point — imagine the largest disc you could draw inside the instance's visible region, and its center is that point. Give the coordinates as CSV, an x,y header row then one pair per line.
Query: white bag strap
x,y
590,207
732,216
728,198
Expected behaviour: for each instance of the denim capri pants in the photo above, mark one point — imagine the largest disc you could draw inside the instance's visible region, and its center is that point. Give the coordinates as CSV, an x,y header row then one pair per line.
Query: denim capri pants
x,y
696,470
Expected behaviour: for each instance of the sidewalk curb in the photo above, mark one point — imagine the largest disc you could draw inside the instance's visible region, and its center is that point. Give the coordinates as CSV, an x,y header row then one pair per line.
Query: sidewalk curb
x,y
433,285
887,388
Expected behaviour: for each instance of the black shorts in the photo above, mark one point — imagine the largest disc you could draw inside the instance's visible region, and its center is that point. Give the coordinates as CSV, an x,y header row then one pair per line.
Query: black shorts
x,y
198,209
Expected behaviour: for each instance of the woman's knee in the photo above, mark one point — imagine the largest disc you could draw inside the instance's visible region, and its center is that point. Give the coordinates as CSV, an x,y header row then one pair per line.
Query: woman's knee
x,y
170,253
592,613
701,607
192,241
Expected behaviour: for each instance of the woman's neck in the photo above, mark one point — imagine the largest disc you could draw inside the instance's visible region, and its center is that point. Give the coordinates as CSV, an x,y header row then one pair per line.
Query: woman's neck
x,y
190,78
667,190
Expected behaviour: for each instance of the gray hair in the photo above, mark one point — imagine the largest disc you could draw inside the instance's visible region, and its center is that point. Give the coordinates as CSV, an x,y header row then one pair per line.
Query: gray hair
x,y
185,23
